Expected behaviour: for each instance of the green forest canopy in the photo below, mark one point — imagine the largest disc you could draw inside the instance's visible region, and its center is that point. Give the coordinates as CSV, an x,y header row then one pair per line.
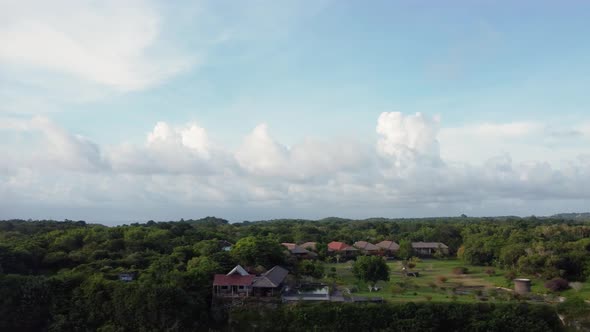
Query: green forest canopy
x,y
64,275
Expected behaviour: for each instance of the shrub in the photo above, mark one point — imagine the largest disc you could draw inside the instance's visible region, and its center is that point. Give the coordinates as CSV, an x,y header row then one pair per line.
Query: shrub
x,y
415,260
460,270
492,293
441,279
396,289
510,275
557,284
490,272
425,316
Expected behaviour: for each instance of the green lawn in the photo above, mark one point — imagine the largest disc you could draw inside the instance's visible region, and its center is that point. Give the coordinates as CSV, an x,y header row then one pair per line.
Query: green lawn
x,y
429,286
583,293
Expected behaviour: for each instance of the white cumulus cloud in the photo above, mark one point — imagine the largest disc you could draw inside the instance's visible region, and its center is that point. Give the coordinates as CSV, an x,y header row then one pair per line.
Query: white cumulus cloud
x,y
180,167
407,136
100,42
261,154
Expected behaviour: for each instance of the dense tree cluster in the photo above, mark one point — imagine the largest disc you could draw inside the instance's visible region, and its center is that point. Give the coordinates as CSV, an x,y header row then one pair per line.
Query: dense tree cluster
x,y
398,317
530,248
65,275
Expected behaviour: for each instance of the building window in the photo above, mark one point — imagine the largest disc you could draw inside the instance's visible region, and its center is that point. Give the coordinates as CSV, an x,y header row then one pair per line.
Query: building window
x,y
241,287
223,287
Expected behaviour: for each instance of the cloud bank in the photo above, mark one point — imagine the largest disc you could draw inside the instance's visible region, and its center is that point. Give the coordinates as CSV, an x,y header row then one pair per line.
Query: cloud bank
x,y
179,169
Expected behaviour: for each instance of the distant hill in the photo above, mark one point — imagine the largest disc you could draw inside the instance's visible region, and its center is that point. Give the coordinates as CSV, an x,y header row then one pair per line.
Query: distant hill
x,y
573,216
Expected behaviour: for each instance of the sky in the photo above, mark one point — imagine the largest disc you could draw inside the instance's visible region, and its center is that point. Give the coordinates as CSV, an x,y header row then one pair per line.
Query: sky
x,y
127,111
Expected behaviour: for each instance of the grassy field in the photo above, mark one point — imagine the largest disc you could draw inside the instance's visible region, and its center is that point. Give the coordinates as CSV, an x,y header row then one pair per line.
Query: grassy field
x,y
437,282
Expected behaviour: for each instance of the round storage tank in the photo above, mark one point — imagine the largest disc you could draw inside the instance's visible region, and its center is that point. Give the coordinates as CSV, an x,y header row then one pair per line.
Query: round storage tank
x,y
522,286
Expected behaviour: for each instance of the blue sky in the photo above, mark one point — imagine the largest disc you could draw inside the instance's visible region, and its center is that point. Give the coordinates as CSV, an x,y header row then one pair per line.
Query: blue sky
x,y
260,109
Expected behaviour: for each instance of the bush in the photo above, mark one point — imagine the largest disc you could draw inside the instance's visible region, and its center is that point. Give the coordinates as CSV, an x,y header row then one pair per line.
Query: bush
x,y
396,289
415,260
460,270
574,306
510,275
492,293
426,316
441,279
490,272
557,284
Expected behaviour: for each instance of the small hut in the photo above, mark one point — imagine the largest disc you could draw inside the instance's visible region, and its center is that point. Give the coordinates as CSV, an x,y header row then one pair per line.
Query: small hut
x,y
522,286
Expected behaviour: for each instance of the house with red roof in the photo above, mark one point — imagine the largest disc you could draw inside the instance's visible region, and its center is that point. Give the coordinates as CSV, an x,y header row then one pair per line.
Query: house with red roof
x,y
341,248
337,246
238,282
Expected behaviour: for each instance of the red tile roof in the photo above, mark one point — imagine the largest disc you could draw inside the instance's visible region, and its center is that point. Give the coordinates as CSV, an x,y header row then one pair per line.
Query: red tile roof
x,y
232,280
339,246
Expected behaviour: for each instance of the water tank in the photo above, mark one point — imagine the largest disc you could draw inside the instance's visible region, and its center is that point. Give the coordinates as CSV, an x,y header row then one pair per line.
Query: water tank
x,y
522,286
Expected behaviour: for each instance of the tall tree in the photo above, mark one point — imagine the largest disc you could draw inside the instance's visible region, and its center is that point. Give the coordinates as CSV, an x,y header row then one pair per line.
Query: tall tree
x,y
258,251
405,249
314,269
370,269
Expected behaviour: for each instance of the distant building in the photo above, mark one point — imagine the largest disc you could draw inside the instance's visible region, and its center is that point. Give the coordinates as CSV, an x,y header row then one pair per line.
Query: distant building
x,y
313,246
342,249
389,247
336,246
270,282
429,248
238,282
225,245
367,248
298,251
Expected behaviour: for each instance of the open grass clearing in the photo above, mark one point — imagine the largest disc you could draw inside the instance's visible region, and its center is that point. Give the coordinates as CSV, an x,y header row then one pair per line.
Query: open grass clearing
x,y
437,282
